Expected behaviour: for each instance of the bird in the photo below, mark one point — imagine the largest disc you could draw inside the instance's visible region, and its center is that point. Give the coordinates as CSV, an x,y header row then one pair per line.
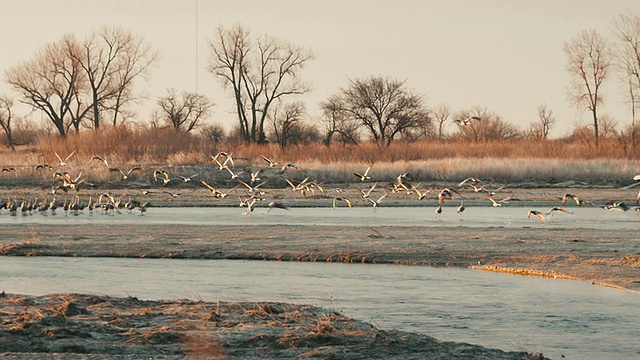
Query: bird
x,y
271,163
227,157
44,166
447,193
143,208
467,121
364,176
438,210
277,205
376,203
420,195
233,175
471,180
10,169
287,166
124,175
461,208
161,173
222,165
568,196
340,198
64,162
494,203
186,179
99,158
254,177
253,188
557,209
616,206
539,214
217,193
365,194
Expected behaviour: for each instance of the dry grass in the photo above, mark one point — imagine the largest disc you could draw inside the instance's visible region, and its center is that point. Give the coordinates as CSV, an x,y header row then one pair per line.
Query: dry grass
x,y
438,161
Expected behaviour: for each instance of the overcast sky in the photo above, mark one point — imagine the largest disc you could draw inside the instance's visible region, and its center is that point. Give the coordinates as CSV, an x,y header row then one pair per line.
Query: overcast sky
x,y
503,55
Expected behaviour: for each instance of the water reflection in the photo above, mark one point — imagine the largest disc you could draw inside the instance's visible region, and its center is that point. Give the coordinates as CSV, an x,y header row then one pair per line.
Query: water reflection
x,y
572,318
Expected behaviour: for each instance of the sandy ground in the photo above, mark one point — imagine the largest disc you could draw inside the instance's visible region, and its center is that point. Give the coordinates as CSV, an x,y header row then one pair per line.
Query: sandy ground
x,y
87,326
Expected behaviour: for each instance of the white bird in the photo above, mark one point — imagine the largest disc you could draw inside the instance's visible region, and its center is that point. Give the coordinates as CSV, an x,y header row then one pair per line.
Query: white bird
x,y
271,163
376,203
217,193
64,162
365,194
494,203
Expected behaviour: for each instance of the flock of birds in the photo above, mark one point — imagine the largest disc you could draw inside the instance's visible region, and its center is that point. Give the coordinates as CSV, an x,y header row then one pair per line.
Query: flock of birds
x,y
250,189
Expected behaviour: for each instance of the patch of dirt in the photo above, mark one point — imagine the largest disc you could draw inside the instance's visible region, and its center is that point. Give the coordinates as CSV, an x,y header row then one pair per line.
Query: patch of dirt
x,y
75,326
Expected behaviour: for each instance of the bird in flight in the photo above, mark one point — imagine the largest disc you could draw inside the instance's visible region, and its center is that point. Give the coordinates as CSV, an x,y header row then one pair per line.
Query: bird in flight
x,y
277,205
101,159
271,163
557,209
339,198
467,121
125,175
364,176
216,193
187,179
569,196
539,214
64,162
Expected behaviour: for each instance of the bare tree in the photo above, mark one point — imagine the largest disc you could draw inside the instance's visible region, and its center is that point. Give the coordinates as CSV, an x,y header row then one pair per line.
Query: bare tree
x,y
258,72
6,115
547,120
285,120
441,115
345,129
184,113
52,82
383,106
588,63
627,30
112,59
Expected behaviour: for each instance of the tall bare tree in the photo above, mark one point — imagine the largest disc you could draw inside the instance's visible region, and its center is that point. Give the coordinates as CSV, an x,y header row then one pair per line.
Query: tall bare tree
x,y
52,82
258,72
547,120
72,82
589,59
627,30
113,58
441,115
384,107
185,112
6,115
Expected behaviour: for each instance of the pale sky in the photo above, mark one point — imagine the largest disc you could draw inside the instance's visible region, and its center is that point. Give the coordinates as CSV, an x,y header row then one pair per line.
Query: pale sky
x,y
503,55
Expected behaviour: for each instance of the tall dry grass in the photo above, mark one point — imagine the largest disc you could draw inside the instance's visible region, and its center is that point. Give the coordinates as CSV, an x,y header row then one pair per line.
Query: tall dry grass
x,y
508,162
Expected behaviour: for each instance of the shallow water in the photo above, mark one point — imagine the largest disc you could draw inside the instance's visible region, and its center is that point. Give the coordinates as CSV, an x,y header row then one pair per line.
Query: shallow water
x,y
506,216
556,317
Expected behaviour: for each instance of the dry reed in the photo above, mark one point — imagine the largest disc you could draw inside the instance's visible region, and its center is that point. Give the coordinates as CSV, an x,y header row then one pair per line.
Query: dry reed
x,y
524,162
